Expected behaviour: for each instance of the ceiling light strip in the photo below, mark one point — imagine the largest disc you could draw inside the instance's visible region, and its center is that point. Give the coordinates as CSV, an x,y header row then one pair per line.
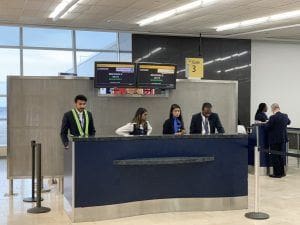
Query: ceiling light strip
x,y
176,11
261,20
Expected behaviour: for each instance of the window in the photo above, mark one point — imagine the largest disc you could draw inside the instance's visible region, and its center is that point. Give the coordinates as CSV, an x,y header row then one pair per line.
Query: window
x,y
47,62
40,37
3,107
9,36
86,61
96,40
125,57
125,42
49,51
3,121
9,65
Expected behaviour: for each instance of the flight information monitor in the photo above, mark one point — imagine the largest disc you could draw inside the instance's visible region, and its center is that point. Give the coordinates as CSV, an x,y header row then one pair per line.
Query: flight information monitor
x,y
112,74
150,75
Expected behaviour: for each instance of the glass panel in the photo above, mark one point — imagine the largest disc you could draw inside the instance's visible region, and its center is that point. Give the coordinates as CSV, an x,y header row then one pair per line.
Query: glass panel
x,y
96,40
3,108
9,65
47,62
9,36
86,61
41,37
125,40
125,57
3,132
3,121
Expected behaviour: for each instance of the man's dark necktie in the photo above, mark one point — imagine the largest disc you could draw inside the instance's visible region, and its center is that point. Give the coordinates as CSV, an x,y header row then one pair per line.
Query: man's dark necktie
x,y
206,126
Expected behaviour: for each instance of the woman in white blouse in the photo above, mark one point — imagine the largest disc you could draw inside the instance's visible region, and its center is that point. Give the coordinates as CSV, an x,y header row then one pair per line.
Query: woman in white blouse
x,y
138,126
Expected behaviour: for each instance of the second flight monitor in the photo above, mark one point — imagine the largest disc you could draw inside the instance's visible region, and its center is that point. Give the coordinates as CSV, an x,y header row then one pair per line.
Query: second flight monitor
x,y
151,75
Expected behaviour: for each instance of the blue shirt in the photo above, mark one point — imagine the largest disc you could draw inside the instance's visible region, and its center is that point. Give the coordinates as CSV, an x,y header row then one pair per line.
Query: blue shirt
x,y
177,125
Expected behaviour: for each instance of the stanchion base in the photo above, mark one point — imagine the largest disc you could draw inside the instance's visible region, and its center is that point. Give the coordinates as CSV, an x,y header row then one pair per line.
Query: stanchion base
x,y
30,199
37,210
257,215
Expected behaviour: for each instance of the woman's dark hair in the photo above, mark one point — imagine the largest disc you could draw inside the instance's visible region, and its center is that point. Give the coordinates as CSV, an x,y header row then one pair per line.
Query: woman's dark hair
x,y
80,97
138,116
175,106
261,107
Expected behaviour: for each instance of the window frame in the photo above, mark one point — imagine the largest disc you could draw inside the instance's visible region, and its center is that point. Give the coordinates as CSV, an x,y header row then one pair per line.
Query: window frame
x,y
73,48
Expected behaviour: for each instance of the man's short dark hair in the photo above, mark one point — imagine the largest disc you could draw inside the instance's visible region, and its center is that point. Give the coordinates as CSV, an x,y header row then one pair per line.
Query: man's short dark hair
x,y
206,105
80,97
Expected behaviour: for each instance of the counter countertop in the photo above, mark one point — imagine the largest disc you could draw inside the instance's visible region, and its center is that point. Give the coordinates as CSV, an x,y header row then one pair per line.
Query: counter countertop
x,y
194,136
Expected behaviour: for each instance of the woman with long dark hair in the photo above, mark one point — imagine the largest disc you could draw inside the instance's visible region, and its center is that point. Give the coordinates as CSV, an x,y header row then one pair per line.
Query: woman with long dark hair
x,y
138,126
175,124
261,115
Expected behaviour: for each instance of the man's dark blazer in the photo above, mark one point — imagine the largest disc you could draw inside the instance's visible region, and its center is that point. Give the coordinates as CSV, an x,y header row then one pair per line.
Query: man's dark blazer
x,y
168,127
276,127
69,123
214,123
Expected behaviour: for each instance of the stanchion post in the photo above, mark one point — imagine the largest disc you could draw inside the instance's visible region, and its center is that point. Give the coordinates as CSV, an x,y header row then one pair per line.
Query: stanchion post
x,y
39,208
10,188
257,215
286,157
32,198
298,148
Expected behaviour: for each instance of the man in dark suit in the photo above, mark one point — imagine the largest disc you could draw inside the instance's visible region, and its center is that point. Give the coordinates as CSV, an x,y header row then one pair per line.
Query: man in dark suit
x,y
206,122
78,121
277,134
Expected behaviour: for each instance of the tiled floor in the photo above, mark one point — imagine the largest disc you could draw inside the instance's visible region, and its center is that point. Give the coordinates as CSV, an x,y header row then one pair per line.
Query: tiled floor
x,y
279,197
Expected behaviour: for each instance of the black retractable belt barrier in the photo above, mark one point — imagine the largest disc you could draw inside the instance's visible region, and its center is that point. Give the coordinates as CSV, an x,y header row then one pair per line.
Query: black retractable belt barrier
x,y
295,155
39,208
32,198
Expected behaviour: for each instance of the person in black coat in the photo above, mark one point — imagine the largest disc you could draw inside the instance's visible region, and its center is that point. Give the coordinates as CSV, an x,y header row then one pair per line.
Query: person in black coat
x,y
78,121
206,122
277,134
175,124
260,114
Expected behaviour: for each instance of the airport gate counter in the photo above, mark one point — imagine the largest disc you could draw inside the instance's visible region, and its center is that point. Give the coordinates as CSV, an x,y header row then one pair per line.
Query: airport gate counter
x,y
113,177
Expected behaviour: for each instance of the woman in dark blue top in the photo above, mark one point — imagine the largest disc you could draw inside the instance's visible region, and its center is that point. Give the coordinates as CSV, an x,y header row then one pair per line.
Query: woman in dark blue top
x,y
261,113
174,125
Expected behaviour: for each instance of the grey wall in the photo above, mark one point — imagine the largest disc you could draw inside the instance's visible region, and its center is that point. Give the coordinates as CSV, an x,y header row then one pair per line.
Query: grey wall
x,y
36,106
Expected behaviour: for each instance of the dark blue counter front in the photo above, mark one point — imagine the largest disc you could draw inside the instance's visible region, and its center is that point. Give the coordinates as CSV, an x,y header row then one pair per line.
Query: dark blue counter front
x,y
98,182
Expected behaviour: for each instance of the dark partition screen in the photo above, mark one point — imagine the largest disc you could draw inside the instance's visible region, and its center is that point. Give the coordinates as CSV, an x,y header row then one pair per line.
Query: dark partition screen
x,y
224,59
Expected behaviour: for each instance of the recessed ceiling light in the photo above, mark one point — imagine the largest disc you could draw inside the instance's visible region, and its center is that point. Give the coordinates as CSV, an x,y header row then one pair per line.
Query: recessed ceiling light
x,y
179,10
261,20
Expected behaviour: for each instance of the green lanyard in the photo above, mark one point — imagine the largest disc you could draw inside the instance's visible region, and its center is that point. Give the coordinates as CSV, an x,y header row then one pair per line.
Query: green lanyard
x,y
86,131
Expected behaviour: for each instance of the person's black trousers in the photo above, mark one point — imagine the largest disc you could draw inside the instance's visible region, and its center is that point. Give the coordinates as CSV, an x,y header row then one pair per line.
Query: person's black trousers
x,y
277,160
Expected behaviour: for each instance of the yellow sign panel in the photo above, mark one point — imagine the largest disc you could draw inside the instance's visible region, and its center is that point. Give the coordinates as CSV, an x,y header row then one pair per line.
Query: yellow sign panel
x,y
194,67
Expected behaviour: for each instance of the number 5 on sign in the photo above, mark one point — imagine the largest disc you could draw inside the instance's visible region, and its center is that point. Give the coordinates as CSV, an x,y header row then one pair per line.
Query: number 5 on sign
x,y
194,68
